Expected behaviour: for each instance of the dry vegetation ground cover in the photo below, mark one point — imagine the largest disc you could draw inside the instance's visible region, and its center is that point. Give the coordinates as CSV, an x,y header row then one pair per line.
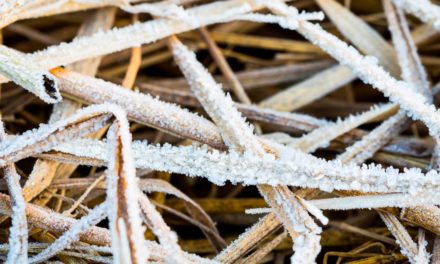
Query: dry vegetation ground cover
x,y
236,131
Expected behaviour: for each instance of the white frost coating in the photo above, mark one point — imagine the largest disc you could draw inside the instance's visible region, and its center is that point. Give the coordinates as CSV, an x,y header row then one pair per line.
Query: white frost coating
x,y
306,242
367,69
29,75
397,200
236,133
320,137
160,9
141,107
376,201
30,137
258,210
120,244
306,248
313,210
373,141
285,22
415,253
121,169
422,255
137,34
410,63
294,168
72,235
18,238
167,238
422,9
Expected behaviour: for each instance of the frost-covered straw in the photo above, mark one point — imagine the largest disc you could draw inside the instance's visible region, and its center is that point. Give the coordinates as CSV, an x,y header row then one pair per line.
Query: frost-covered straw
x,y
238,136
122,193
140,107
72,235
424,10
140,33
319,137
46,136
294,168
27,74
18,237
367,69
55,222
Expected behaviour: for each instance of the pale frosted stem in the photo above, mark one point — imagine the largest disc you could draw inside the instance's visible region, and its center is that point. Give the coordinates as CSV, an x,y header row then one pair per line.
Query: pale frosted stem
x,y
27,74
167,238
375,201
373,141
321,136
424,10
54,222
18,238
233,128
415,253
123,193
140,107
72,235
46,136
140,33
237,134
220,167
367,69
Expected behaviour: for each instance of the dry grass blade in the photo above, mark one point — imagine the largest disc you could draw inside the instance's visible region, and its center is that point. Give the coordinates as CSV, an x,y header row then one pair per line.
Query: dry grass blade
x,y
197,212
318,137
44,171
368,70
310,90
248,239
188,164
220,167
140,107
363,36
55,222
18,242
411,66
123,193
236,133
409,248
372,142
24,73
265,249
424,10
141,33
64,241
224,67
428,215
44,138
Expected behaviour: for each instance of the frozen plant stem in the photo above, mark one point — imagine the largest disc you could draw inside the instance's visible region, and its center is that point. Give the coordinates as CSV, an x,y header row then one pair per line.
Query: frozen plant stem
x,y
239,137
18,237
25,73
